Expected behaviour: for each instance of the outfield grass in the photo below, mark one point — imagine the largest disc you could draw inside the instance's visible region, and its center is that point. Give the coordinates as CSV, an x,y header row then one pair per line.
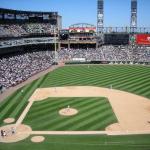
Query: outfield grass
x,y
134,79
94,114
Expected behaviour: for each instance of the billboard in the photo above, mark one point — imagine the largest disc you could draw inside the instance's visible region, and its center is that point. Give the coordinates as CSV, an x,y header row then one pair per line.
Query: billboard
x,y
143,39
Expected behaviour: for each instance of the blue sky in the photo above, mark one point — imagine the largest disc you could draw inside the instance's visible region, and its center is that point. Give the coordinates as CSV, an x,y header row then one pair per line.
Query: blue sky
x,y
117,12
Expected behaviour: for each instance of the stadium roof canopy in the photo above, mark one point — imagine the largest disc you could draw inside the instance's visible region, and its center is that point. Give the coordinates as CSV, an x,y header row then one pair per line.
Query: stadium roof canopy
x,y
3,10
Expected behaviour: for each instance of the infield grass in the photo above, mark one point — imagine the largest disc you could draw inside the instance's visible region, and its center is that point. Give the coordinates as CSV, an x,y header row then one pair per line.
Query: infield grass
x,y
94,114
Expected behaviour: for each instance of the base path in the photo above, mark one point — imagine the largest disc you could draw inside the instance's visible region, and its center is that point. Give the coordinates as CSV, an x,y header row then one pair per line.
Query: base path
x,y
19,121
132,111
68,132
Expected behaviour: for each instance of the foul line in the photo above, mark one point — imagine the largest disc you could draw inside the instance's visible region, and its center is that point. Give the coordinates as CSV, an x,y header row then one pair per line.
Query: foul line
x,y
22,116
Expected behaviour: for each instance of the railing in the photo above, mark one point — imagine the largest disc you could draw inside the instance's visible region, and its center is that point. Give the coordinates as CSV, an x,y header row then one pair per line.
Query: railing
x,y
126,30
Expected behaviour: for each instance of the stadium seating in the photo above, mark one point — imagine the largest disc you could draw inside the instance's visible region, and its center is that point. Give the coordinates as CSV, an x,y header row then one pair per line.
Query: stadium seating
x,y
11,30
38,28
16,69
108,53
16,30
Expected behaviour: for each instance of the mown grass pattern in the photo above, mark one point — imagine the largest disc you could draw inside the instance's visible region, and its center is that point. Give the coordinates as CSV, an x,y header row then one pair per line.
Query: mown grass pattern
x,y
83,142
134,79
94,114
15,104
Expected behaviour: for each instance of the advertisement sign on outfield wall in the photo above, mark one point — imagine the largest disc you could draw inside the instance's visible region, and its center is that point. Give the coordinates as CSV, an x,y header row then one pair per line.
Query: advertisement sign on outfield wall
x,y
143,39
79,59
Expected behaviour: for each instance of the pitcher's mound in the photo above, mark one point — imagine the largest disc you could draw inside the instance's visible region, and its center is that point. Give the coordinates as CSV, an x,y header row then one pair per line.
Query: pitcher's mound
x,y
68,112
9,120
37,139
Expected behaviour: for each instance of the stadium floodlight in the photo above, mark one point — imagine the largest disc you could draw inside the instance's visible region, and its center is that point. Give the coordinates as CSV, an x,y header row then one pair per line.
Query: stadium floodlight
x,y
100,22
100,16
133,24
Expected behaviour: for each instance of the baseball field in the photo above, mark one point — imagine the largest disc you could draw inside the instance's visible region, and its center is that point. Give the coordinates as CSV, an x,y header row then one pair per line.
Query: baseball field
x,y
104,97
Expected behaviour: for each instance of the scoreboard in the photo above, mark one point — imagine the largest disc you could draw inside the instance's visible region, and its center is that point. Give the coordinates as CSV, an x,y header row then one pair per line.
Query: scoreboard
x,y
116,39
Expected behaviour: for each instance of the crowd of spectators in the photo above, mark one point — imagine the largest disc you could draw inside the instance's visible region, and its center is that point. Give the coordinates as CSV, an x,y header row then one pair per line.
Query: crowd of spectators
x,y
16,69
11,30
39,28
17,30
108,53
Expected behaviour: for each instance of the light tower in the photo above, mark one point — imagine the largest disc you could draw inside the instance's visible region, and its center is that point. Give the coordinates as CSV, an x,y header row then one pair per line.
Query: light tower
x,y
133,24
100,22
100,16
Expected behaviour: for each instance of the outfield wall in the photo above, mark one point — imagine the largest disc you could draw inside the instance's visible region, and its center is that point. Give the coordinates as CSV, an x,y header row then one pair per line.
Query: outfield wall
x,y
108,62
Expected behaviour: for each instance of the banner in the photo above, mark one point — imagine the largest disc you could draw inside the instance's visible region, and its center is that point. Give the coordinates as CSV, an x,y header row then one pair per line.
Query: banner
x,y
143,39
